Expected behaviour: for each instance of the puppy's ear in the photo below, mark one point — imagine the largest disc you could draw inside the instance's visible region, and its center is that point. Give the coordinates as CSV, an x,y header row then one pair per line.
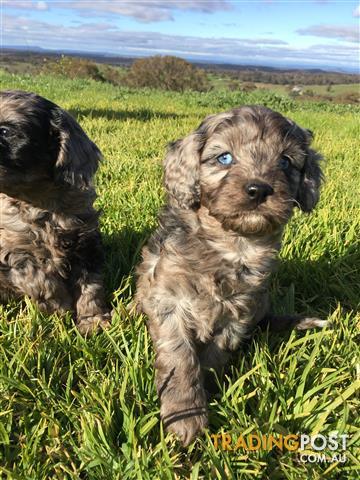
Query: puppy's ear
x,y
182,171
78,157
311,176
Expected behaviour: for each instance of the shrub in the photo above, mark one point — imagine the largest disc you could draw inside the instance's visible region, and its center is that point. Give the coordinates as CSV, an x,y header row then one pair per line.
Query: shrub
x,y
112,75
234,85
309,92
72,67
248,87
166,73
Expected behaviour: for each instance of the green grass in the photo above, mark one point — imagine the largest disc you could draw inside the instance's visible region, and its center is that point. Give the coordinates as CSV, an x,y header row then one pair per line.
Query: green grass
x,y
336,91
72,408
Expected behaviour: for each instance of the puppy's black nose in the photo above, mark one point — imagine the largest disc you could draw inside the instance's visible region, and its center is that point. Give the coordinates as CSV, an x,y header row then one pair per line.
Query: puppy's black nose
x,y
259,191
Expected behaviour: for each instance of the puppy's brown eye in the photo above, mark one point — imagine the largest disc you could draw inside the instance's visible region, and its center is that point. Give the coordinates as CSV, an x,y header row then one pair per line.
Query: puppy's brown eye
x,y
4,132
284,163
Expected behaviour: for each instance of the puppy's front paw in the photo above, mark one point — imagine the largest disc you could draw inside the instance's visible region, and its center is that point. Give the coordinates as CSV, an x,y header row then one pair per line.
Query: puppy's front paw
x,y
88,325
186,423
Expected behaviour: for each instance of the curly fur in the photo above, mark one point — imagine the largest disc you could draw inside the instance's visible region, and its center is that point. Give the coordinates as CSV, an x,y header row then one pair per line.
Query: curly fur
x,y
50,246
203,281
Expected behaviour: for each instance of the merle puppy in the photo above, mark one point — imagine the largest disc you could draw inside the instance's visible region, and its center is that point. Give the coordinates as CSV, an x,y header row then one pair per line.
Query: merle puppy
x,y
50,246
203,282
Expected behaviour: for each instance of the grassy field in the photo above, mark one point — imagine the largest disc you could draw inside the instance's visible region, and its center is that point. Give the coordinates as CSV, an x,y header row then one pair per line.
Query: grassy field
x,y
72,408
335,91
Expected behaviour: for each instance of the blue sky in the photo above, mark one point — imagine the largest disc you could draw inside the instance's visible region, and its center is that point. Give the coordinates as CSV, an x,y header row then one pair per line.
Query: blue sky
x,y
312,33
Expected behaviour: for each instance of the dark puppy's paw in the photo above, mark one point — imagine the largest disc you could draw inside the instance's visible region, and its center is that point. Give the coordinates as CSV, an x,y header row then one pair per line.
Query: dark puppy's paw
x,y
310,322
89,325
279,323
186,423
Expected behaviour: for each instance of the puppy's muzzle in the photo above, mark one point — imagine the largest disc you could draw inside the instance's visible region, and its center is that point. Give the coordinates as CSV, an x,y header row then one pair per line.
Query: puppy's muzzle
x,y
258,192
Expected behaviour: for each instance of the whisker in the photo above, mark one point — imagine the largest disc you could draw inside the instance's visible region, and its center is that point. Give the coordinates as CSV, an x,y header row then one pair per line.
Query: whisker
x,y
293,200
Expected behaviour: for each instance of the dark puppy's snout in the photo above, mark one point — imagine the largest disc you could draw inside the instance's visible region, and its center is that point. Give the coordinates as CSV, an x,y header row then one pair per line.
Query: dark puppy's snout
x,y
258,191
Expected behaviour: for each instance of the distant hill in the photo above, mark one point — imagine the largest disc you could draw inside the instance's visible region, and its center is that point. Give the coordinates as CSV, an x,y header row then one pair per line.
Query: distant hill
x,y
113,59
24,59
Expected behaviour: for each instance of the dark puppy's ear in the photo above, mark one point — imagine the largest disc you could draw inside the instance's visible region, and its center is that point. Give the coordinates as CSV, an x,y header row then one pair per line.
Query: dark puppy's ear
x,y
311,176
182,172
78,157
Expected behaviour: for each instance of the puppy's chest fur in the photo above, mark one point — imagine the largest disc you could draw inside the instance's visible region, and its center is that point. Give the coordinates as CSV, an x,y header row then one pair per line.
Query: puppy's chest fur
x,y
238,264
36,236
215,279
235,273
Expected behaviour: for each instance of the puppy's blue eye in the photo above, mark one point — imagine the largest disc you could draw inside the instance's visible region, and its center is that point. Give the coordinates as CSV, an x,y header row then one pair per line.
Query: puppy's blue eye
x,y
225,158
284,163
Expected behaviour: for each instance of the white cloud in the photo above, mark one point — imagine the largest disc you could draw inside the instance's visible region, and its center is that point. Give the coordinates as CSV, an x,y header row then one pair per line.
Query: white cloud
x,y
356,11
41,6
145,11
25,4
106,38
349,33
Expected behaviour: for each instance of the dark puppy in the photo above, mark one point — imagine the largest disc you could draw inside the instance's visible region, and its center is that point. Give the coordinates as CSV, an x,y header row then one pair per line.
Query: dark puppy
x,y
232,186
50,246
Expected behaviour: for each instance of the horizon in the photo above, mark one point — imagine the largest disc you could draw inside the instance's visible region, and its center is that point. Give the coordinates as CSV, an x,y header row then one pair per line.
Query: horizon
x,y
104,55
207,31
